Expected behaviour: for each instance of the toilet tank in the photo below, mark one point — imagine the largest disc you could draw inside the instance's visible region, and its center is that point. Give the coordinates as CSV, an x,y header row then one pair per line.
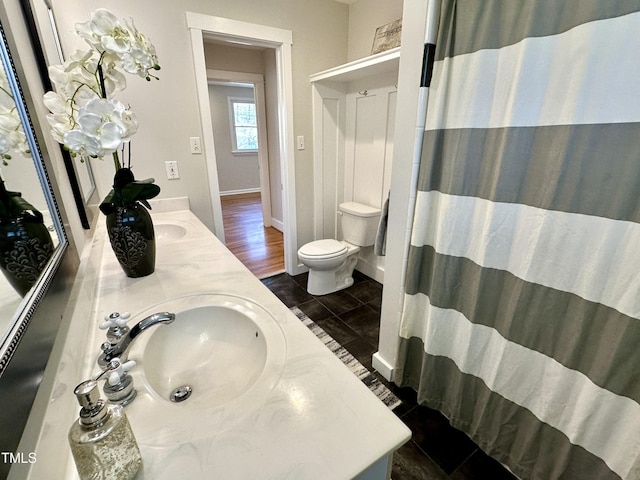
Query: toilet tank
x,y
359,223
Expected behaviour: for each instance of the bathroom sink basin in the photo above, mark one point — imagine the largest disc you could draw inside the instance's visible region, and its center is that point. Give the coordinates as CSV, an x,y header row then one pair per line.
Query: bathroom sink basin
x,y
168,232
219,348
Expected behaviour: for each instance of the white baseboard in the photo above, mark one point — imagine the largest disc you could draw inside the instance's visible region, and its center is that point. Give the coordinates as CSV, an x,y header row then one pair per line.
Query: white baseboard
x,y
372,271
277,224
383,367
239,192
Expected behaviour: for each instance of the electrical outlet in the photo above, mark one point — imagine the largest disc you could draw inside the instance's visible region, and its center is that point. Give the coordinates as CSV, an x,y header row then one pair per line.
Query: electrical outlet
x,y
172,170
194,142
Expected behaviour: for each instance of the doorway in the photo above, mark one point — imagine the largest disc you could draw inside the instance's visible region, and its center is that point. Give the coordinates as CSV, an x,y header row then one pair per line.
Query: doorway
x,y
237,32
248,170
238,113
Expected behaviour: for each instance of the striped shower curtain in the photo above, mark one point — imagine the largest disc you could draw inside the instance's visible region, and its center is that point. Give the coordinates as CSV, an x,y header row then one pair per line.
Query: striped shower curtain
x,y
521,318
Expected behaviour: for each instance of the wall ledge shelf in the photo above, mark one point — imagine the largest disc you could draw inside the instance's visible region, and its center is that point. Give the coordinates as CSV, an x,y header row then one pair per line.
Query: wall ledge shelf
x,y
373,65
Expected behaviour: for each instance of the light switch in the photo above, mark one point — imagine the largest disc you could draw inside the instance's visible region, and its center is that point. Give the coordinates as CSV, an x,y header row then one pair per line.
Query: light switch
x,y
195,145
300,142
172,170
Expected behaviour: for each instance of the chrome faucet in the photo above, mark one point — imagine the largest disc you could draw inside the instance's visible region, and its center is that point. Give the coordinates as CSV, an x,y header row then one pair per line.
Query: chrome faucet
x,y
121,349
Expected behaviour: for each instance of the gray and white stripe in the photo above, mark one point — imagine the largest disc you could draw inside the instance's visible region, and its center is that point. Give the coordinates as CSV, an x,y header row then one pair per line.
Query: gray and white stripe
x,y
521,318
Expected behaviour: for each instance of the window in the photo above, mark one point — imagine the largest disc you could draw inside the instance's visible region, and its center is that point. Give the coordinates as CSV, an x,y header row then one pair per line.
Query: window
x,y
244,126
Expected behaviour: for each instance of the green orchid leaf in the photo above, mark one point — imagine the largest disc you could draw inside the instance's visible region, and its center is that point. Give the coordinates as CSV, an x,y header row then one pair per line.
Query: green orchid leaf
x,y
129,194
108,205
139,191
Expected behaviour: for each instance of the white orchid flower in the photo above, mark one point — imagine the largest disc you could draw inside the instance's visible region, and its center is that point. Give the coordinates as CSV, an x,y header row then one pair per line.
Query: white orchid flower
x,y
83,116
102,108
64,81
61,118
79,59
108,135
12,137
135,62
129,125
59,127
17,141
82,144
142,56
74,80
108,122
114,79
57,103
84,31
104,32
11,133
12,142
118,42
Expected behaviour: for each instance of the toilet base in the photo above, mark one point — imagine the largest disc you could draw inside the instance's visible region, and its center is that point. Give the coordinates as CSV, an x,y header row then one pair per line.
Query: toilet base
x,y
320,286
323,282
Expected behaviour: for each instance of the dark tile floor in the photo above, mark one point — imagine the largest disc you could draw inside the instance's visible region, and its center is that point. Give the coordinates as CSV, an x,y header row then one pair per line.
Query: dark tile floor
x,y
436,450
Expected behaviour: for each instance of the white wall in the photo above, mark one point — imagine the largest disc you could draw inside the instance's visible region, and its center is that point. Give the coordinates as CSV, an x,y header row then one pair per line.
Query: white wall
x,y
167,109
233,58
365,16
236,172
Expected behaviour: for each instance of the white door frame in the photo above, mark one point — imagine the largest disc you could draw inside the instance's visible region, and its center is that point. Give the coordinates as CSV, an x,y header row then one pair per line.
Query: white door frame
x,y
257,80
254,34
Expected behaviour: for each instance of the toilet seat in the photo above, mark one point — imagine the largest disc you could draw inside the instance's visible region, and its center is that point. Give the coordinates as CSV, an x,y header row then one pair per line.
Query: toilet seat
x,y
327,248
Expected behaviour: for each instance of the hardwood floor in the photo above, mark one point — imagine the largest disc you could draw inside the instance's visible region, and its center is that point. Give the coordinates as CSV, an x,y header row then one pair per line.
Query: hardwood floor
x,y
259,248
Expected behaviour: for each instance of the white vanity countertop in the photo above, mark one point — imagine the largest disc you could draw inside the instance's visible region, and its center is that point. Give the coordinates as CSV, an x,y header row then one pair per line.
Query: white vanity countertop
x,y
318,421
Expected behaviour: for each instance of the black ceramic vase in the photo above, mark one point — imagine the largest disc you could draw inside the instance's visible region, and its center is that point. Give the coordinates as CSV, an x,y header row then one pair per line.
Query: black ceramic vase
x,y
25,249
133,240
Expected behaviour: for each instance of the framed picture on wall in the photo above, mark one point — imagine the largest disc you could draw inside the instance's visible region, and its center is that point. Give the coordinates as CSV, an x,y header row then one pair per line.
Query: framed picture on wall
x,y
387,37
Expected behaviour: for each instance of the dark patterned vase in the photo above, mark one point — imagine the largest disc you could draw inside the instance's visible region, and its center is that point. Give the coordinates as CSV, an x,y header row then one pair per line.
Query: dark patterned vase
x,y
133,239
25,249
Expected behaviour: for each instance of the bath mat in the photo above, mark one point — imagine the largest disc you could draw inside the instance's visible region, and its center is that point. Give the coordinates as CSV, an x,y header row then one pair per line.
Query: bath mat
x,y
359,370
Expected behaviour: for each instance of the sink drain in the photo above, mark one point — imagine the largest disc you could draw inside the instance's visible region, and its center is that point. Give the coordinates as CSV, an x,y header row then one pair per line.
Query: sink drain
x,y
180,394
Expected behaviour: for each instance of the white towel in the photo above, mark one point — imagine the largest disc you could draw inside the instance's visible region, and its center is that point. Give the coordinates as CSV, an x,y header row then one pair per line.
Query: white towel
x,y
380,247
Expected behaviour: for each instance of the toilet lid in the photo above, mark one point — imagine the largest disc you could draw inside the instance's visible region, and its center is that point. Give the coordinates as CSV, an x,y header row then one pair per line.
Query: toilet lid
x,y
323,248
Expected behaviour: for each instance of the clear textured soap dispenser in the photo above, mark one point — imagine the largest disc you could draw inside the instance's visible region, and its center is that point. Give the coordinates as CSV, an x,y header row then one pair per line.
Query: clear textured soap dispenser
x,y
101,440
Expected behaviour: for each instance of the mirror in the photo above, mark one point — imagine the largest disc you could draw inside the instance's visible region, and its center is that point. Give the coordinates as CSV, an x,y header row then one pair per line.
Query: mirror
x,y
26,263
18,172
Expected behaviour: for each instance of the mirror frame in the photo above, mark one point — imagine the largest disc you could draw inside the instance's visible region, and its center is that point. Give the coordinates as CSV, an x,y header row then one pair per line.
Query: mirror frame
x,y
40,316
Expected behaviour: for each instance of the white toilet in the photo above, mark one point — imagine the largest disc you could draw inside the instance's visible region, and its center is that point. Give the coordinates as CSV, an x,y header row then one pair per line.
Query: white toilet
x,y
331,262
